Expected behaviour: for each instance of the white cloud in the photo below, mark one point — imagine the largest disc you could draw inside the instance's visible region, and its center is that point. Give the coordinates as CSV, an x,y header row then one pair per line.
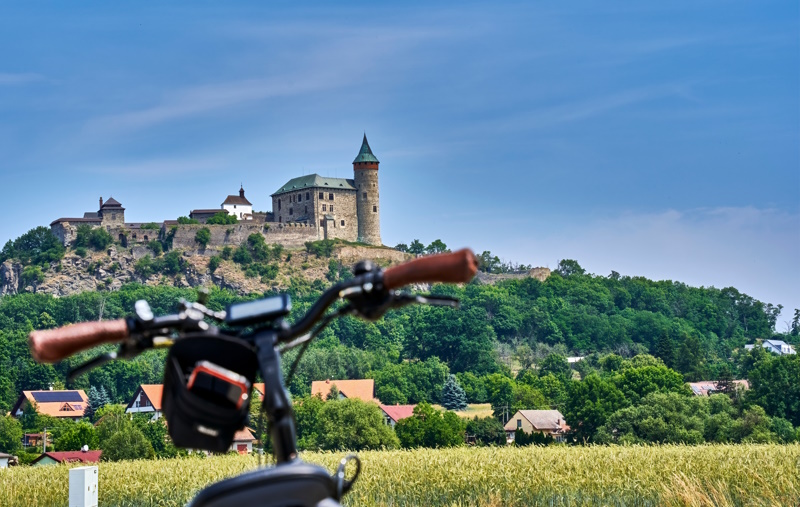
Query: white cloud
x,y
15,79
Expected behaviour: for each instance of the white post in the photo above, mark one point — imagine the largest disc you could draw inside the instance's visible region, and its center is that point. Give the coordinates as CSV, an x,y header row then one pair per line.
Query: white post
x,y
83,487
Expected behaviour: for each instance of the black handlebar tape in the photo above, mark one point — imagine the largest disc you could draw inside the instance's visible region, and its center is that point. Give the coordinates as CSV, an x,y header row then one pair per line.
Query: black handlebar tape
x,y
53,345
456,267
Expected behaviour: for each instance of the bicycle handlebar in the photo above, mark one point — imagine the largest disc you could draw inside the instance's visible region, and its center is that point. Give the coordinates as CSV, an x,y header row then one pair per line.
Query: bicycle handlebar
x,y
53,345
456,267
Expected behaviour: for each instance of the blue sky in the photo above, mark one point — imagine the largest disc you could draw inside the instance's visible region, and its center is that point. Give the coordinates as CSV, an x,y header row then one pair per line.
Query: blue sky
x,y
655,140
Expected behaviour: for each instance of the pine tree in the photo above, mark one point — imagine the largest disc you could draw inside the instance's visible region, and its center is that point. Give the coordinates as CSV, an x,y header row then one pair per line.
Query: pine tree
x,y
665,349
333,395
725,384
104,398
453,395
93,405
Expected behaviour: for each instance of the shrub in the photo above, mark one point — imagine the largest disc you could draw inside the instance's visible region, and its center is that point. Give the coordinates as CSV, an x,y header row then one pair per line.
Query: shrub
x,y
187,221
171,263
32,275
214,262
95,237
227,252
322,248
242,256
222,218
144,267
152,226
203,236
156,247
80,251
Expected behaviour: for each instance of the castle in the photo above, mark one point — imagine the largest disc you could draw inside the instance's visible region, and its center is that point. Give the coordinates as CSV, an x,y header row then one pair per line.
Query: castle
x,y
306,208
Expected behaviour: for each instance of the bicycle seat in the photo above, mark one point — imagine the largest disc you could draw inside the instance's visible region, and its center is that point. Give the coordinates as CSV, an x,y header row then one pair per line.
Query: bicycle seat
x,y
294,484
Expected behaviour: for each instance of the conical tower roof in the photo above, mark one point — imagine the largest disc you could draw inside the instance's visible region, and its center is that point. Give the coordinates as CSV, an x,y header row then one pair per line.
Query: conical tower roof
x,y
365,154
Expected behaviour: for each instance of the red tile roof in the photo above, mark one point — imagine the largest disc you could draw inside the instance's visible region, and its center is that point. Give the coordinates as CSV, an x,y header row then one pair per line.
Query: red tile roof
x,y
398,412
72,456
361,389
153,393
236,199
243,435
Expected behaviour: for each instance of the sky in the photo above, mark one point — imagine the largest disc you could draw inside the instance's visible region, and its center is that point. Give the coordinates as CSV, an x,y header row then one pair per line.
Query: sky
x,y
659,139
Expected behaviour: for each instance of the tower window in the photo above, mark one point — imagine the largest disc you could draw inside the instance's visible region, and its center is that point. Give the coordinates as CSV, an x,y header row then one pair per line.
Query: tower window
x,y
280,219
308,196
342,223
322,195
330,196
291,211
324,207
364,195
306,210
279,204
374,209
331,208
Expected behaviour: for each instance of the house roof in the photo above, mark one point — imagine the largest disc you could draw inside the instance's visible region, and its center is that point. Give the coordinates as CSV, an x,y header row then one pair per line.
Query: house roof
x,y
243,435
703,387
361,389
71,456
153,393
541,420
315,181
4,455
365,153
55,403
210,210
76,220
398,412
260,388
237,199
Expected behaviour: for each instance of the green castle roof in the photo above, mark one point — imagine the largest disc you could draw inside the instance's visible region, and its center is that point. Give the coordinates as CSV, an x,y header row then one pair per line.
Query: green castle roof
x,y
315,181
365,155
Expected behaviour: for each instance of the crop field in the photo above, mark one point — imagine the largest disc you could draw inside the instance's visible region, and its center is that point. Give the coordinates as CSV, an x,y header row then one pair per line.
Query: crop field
x,y
718,475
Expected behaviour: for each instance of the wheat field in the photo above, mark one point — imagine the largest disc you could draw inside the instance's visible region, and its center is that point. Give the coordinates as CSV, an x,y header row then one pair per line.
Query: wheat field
x,y
709,475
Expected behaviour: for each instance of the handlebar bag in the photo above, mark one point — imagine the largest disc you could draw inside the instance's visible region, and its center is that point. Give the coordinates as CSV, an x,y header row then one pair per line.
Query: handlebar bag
x,y
195,422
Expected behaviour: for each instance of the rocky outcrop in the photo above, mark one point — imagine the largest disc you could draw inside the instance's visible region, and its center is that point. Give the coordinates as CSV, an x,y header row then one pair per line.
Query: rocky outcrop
x,y
10,274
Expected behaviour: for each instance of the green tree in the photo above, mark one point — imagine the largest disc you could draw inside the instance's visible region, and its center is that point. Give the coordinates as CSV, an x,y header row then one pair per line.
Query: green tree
x,y
401,247
590,403
128,443
428,427
222,218
10,435
351,424
214,262
37,246
187,221
416,247
486,431
76,436
691,360
453,396
203,236
436,246
636,383
308,420
569,267
665,349
557,365
660,418
774,385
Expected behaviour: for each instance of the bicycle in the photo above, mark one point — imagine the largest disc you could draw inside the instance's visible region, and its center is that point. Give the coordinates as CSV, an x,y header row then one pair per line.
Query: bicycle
x,y
209,371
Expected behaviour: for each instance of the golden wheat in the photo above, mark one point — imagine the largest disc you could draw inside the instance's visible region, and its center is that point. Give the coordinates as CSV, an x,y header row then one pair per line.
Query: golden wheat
x,y
710,475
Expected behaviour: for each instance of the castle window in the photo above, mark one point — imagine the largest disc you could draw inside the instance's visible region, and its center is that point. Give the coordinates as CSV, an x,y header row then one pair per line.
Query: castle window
x,y
145,237
308,196
331,208
322,195
299,197
322,223
113,216
306,210
330,197
280,219
364,195
279,204
291,211
342,223
374,209
324,207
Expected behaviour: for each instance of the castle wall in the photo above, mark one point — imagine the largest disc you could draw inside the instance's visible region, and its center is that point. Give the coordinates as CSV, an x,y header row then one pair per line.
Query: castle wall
x,y
315,204
288,235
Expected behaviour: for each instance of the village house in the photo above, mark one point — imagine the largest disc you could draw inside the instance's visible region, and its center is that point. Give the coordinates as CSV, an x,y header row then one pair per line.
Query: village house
x,y
779,347
243,441
56,457
146,399
60,404
548,422
4,459
708,387
392,414
362,389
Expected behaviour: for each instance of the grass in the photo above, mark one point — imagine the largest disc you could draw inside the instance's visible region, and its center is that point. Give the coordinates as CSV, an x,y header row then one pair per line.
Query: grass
x,y
473,410
709,475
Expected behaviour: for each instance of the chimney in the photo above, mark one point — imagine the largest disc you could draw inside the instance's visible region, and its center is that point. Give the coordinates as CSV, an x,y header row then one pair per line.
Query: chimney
x,y
101,201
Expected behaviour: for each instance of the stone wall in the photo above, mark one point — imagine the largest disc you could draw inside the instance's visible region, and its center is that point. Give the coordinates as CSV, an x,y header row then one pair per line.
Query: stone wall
x,y
313,204
288,235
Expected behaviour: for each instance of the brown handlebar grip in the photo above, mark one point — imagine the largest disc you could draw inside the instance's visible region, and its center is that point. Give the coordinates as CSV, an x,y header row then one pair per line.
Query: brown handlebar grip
x,y
456,267
53,345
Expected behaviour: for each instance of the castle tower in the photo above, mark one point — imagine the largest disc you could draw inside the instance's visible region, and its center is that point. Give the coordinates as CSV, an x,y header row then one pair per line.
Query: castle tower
x,y
365,168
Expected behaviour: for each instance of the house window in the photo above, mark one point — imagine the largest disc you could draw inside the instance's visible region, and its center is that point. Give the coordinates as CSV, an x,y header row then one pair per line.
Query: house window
x,y
331,208
234,206
374,209
324,207
364,195
330,196
342,223
291,211
322,195
308,196
519,423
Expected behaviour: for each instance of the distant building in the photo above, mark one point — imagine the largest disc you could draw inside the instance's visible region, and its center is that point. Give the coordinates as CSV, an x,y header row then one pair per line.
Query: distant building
x,y
146,399
4,458
708,387
548,422
779,347
61,404
392,414
243,441
238,206
56,457
361,389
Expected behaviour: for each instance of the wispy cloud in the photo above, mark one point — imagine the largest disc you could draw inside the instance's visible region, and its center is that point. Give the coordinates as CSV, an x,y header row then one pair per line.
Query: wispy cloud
x,y
17,79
